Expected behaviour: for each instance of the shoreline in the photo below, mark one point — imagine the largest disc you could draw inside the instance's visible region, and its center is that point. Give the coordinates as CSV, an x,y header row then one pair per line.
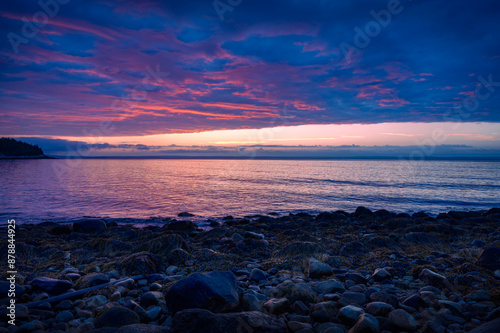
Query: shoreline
x,y
329,272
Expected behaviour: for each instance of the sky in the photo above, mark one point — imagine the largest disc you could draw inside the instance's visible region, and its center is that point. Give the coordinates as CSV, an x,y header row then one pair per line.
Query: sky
x,y
173,77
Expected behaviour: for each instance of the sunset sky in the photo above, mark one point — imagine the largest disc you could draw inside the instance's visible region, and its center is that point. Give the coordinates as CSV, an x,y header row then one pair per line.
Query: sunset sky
x,y
135,76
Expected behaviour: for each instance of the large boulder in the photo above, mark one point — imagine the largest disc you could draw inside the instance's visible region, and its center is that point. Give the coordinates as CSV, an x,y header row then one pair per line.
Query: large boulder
x,y
52,286
89,226
215,291
489,327
203,321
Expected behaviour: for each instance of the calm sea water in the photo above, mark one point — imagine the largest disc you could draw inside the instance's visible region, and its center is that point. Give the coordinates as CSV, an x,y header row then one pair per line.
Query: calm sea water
x,y
37,190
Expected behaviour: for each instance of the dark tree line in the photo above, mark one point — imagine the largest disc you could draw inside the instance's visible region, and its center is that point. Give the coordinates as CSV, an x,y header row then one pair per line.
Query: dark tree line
x,y
11,147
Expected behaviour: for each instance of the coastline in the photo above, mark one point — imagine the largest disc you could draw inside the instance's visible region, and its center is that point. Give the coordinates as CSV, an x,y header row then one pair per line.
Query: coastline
x,y
330,272
38,157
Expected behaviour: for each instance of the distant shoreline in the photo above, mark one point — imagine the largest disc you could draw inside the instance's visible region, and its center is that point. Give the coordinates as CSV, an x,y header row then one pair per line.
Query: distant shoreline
x,y
40,157
319,158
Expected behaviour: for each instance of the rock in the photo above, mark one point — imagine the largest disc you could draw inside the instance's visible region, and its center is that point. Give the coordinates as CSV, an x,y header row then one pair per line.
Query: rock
x,y
366,324
185,214
181,226
478,243
363,212
349,314
127,283
317,269
92,280
64,316
277,306
52,286
403,320
329,287
431,278
97,301
5,286
150,298
144,328
479,295
34,325
22,311
297,326
237,237
324,311
250,302
352,298
489,327
116,316
257,275
89,226
379,308
454,307
203,321
295,292
381,274
490,258
356,277
415,301
433,327
215,291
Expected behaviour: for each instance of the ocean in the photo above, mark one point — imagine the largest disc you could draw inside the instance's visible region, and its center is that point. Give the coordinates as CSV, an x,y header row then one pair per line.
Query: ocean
x,y
63,190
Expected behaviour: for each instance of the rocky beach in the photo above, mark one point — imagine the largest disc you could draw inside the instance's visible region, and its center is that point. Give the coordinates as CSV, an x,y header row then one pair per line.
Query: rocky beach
x,y
335,272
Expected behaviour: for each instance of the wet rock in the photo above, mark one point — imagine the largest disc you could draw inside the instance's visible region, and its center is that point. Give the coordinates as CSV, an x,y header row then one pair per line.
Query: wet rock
x,y
116,316
185,214
490,258
403,320
366,324
352,298
215,291
329,287
92,280
277,306
381,274
198,321
379,308
431,278
349,314
295,292
52,286
89,226
181,226
317,269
